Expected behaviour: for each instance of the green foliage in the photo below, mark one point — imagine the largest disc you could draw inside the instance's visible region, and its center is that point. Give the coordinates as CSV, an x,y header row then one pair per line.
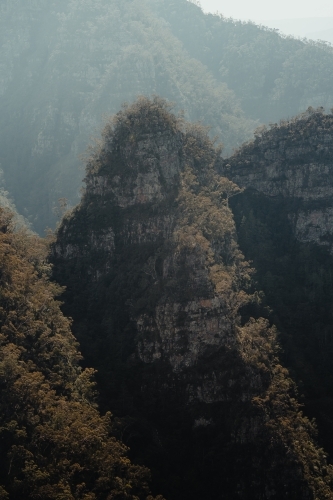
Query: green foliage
x,y
284,425
129,126
296,280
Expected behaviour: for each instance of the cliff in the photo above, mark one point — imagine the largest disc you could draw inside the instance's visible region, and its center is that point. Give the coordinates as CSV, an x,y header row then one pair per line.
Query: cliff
x,y
158,290
293,161
284,226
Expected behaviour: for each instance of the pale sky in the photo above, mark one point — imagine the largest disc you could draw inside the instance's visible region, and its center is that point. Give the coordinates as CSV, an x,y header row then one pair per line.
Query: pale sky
x,y
257,10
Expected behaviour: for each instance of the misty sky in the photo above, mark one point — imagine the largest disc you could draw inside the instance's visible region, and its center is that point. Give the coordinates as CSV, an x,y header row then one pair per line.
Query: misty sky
x,y
267,9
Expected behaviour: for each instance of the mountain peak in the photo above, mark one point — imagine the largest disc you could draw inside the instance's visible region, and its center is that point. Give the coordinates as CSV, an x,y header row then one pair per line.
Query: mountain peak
x,y
139,160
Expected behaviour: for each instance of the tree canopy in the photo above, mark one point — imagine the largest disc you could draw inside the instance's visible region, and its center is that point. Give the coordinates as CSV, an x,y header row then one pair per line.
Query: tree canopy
x,y
53,442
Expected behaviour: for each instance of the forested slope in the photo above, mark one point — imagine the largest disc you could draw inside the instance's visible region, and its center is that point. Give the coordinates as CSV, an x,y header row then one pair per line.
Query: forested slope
x,y
274,76
53,442
160,297
64,64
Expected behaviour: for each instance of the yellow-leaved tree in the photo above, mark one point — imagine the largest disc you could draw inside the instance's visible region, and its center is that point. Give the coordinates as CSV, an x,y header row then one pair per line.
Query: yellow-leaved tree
x,y
53,442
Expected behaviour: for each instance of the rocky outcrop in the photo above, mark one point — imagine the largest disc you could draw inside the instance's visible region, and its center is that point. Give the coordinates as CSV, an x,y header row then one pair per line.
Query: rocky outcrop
x,y
139,180
182,333
314,225
293,161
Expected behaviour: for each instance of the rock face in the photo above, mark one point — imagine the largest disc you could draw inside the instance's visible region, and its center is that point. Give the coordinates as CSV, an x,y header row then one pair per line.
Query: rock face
x,y
155,284
293,161
140,180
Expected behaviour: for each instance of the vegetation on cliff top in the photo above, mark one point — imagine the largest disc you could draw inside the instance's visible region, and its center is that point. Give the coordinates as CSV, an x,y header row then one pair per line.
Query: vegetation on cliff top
x,y
274,76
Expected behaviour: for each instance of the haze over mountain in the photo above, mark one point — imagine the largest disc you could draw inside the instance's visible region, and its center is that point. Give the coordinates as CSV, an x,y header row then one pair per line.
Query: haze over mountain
x,y
315,28
260,9
298,18
64,65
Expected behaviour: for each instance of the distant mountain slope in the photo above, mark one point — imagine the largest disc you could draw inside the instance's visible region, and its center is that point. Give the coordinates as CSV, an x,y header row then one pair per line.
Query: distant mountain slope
x,y
64,64
302,27
274,76
326,35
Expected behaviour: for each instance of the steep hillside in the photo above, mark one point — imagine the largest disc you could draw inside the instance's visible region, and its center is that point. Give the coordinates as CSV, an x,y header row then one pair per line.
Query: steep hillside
x,y
64,64
53,442
158,291
284,220
273,76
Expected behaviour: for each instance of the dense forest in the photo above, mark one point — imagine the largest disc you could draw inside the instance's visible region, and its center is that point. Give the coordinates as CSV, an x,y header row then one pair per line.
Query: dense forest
x,y
53,442
65,64
273,76
190,259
